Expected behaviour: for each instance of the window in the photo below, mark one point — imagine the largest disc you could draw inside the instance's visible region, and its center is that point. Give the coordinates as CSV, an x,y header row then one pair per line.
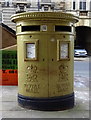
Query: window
x,y
31,50
62,50
73,5
90,5
82,5
7,4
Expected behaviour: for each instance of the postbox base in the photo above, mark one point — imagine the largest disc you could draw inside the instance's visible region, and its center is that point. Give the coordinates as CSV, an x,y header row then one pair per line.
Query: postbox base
x,y
47,104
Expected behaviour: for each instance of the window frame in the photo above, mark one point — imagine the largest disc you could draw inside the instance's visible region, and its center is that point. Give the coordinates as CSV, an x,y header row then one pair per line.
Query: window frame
x,y
36,42
90,5
59,42
82,5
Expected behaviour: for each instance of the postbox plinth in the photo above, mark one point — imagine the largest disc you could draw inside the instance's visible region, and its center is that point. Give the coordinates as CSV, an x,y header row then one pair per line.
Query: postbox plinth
x,y
45,42
45,104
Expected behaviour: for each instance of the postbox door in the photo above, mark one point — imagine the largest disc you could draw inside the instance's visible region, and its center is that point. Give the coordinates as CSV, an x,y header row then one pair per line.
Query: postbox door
x,y
60,67
36,64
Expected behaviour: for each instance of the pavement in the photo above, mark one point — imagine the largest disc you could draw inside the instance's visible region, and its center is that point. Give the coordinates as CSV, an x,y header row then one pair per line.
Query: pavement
x,y
9,106
82,58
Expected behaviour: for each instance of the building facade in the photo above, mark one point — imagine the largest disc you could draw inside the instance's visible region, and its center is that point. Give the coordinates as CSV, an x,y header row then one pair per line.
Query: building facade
x,y
10,7
82,8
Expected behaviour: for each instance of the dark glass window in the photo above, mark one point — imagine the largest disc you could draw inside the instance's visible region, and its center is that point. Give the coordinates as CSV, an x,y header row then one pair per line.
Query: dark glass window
x,y
7,4
74,5
82,5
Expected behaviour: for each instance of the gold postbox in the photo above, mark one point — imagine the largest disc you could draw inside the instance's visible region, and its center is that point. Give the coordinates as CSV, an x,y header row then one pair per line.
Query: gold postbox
x,y
45,44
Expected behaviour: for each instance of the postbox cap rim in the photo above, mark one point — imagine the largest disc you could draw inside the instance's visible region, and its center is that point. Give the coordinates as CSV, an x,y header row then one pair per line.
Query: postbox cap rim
x,y
44,15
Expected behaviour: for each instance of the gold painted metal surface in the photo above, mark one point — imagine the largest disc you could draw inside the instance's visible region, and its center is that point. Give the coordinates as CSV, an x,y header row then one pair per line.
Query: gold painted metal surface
x,y
47,75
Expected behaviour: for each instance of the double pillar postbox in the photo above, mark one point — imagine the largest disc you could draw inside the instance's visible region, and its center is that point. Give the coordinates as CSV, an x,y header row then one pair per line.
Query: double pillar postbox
x,y
45,45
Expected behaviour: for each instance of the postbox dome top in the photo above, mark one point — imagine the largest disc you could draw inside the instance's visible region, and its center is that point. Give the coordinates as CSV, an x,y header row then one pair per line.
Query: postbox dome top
x,y
44,16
